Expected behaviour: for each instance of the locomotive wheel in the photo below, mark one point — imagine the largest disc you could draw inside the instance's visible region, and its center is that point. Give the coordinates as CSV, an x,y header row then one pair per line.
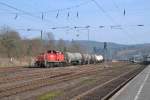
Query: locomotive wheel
x,y
50,65
47,65
36,64
62,64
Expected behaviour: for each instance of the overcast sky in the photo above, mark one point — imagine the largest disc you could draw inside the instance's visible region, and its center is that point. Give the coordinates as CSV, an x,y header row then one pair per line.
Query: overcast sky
x,y
109,13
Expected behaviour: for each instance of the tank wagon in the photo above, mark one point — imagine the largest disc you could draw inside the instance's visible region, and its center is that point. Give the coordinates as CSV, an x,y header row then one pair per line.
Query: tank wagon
x,y
86,58
53,58
73,58
99,58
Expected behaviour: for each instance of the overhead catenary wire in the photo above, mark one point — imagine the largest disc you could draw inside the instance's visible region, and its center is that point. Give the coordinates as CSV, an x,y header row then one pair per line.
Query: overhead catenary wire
x,y
49,11
117,7
115,4
42,14
67,8
9,6
77,27
103,10
41,17
25,12
124,14
111,19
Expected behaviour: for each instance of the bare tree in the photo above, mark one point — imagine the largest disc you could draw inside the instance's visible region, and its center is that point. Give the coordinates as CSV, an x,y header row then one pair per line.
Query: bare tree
x,y
75,47
10,41
34,47
50,41
61,45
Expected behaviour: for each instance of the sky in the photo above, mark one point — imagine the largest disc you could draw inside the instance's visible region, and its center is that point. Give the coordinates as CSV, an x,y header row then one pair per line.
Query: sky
x,y
105,13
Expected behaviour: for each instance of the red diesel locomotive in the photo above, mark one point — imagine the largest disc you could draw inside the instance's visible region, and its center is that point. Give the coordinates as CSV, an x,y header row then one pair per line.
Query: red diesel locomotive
x,y
50,58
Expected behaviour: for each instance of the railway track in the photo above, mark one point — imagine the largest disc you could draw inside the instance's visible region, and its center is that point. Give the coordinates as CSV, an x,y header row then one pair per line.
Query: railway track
x,y
108,89
11,89
25,74
48,79
38,74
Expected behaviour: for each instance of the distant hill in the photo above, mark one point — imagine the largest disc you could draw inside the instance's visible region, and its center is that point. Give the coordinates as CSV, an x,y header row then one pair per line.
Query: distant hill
x,y
116,51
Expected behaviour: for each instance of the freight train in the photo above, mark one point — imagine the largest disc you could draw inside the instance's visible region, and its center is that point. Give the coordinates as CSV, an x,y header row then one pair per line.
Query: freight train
x,y
53,58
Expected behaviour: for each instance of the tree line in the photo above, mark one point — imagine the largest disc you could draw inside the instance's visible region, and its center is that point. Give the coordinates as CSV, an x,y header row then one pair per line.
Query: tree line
x,y
13,45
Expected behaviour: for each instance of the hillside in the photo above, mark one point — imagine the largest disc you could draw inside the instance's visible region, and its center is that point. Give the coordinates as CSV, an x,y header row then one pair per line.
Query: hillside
x,y
116,51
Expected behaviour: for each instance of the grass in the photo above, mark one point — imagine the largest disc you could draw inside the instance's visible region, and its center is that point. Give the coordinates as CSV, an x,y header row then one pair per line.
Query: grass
x,y
53,94
50,95
3,74
88,81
